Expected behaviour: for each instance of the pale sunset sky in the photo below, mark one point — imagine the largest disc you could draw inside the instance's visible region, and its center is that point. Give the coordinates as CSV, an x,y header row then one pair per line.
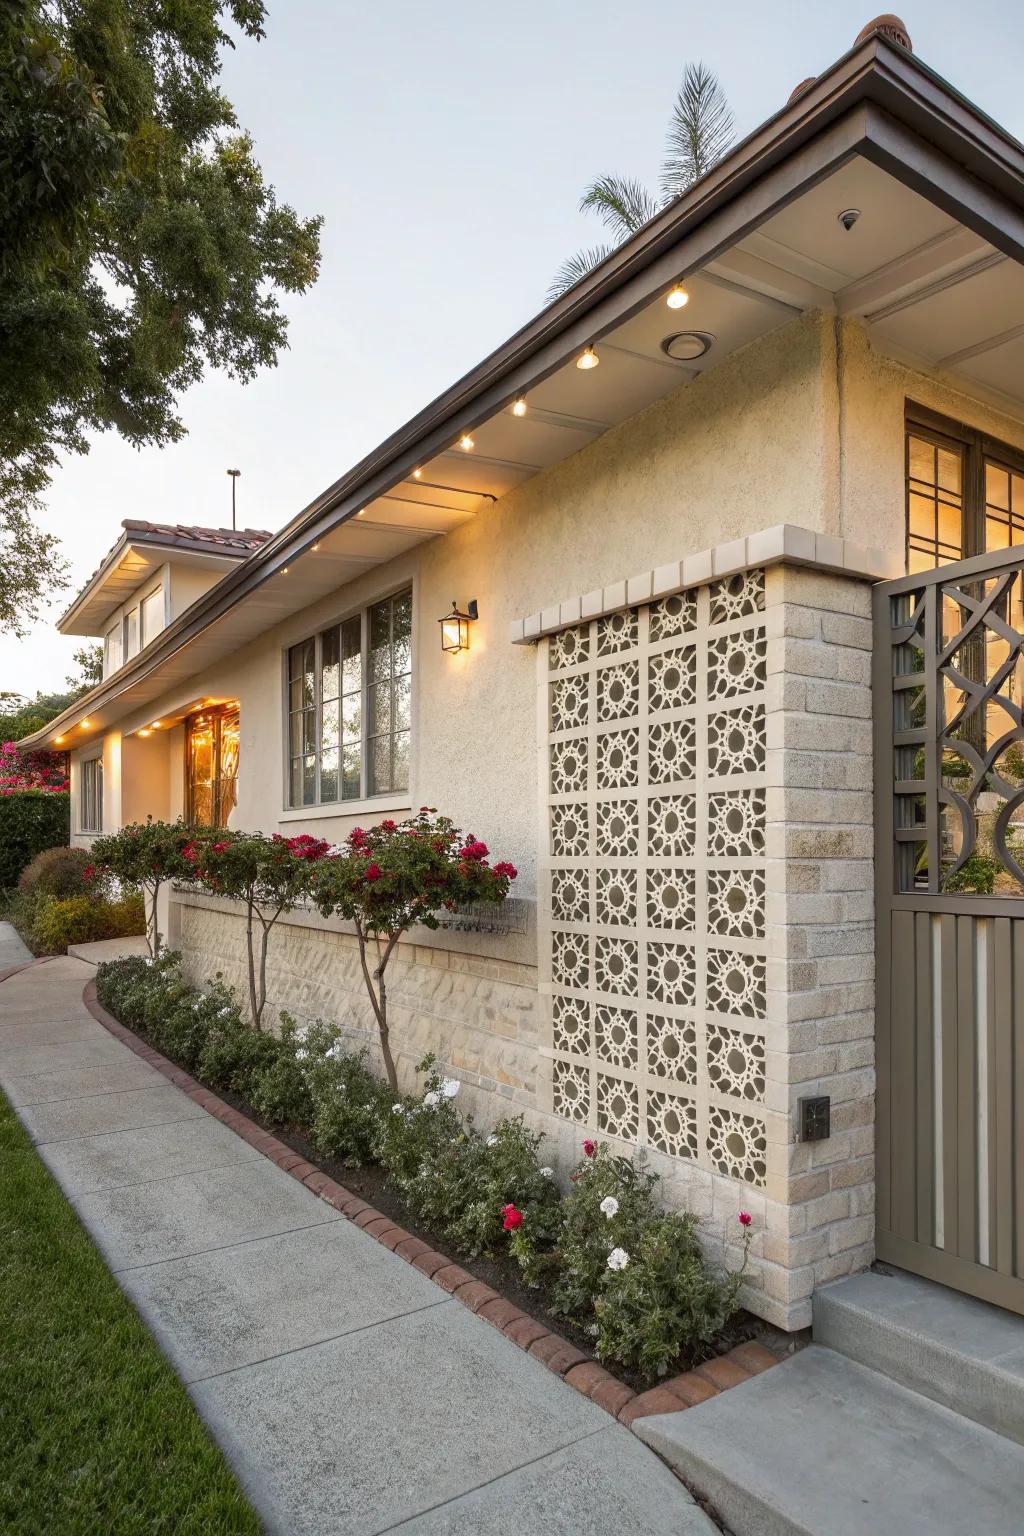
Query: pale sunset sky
x,y
447,147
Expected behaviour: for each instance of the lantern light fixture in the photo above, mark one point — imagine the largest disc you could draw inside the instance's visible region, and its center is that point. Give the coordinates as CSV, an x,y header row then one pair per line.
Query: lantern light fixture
x,y
455,627
588,358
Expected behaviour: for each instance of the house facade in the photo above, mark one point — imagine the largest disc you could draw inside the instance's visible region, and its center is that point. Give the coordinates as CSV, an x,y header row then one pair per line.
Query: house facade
x,y
704,519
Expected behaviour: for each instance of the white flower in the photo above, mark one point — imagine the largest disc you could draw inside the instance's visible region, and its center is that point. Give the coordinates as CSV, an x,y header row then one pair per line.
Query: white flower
x,y
336,1051
223,1012
431,1098
547,1173
396,1109
301,1054
492,1141
609,1206
450,1087
618,1258
593,1330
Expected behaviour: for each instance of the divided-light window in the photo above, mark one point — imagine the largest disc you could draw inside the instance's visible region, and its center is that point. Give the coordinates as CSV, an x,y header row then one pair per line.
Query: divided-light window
x,y
965,492
348,705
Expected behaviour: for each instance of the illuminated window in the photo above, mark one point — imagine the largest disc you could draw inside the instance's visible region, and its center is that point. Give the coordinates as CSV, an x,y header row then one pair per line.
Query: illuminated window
x,y
349,692
211,764
965,492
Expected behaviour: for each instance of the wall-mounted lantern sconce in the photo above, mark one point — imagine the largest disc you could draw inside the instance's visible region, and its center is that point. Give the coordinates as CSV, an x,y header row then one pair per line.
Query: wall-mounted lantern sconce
x,y
455,627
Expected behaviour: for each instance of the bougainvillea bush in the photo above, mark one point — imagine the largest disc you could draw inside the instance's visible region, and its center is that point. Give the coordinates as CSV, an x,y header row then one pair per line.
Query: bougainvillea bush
x,y
389,877
604,1255
21,769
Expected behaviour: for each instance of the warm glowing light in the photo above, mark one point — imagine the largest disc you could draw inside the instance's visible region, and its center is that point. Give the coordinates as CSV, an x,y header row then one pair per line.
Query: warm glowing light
x,y
455,628
285,571
145,732
361,512
417,474
155,725
466,442
57,740
315,548
519,407
84,725
678,298
588,358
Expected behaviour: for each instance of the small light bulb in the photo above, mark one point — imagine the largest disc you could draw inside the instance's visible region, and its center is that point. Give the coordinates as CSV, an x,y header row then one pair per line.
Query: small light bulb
x,y
519,407
588,358
85,724
466,442
361,512
57,740
155,725
417,474
315,548
678,298
144,732
285,571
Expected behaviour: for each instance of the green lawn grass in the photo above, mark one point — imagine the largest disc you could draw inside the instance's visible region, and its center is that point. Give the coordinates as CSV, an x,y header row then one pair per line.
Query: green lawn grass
x,y
97,1434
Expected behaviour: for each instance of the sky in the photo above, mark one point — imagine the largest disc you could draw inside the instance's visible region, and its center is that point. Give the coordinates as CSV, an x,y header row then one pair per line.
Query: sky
x,y
446,147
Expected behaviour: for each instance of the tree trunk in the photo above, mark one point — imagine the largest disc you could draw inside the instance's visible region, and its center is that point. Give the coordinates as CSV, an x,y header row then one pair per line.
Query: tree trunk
x,y
379,1003
253,1010
152,931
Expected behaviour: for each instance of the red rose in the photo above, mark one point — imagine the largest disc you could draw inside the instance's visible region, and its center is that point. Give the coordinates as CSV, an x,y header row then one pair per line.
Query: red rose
x,y
474,851
589,1147
220,847
513,1218
88,873
358,836
506,869
387,826
745,1218
372,872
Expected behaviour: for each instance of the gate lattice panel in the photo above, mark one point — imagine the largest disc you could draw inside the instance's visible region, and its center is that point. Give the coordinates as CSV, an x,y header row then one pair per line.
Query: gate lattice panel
x,y
654,954
949,745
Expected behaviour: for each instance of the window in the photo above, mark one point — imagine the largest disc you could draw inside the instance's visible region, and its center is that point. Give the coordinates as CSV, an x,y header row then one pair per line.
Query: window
x,y
349,697
90,795
131,633
112,650
152,615
211,767
965,492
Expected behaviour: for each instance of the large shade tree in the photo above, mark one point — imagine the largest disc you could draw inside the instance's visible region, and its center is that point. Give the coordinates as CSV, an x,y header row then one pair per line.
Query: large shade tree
x,y
139,242
700,132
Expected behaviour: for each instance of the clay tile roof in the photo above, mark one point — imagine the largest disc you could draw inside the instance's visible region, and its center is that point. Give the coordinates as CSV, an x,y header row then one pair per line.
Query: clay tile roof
x,y
229,540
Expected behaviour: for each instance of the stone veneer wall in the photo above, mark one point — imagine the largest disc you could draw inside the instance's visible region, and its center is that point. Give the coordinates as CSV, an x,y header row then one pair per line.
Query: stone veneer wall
x,y
488,1020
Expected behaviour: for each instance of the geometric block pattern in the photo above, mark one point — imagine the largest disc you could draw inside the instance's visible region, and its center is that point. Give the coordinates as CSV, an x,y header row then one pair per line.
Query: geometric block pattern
x,y
653,923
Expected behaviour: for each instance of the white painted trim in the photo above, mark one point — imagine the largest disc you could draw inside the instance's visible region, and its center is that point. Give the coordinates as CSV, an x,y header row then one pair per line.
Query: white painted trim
x,y
376,805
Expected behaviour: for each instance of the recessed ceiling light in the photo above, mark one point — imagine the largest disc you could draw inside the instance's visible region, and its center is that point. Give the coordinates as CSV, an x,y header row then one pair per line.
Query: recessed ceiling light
x,y
155,725
144,732
84,725
588,358
678,298
466,442
687,346
57,740
519,407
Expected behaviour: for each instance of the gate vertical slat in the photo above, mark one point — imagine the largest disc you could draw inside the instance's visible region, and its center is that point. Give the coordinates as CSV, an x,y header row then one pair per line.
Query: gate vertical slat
x,y
950,1083
903,1165
967,1093
1001,1176
924,1081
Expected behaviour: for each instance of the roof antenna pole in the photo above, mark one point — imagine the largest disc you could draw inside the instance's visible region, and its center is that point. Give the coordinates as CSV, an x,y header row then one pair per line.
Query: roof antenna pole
x,y
234,473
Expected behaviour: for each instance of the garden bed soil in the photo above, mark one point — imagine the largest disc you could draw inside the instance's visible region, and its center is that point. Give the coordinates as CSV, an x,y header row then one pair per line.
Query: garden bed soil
x,y
501,1273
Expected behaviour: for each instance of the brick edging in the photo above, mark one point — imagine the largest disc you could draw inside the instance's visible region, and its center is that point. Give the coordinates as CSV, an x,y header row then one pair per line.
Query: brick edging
x,y
588,1376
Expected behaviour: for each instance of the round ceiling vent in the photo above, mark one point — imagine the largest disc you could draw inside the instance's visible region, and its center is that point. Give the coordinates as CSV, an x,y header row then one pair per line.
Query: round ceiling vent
x,y
687,346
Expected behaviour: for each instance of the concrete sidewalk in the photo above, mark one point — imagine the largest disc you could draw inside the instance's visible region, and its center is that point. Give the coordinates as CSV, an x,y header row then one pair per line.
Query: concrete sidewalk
x,y
351,1395
13,950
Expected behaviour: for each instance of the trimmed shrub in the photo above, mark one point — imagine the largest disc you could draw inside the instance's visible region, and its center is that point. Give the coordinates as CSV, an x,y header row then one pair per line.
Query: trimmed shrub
x,y
30,820
56,872
56,922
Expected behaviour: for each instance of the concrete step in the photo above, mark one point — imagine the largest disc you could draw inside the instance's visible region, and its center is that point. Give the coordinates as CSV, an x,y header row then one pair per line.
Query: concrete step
x,y
956,1350
822,1446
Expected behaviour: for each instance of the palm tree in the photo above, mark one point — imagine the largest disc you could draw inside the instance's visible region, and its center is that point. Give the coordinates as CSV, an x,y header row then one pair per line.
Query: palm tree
x,y
700,131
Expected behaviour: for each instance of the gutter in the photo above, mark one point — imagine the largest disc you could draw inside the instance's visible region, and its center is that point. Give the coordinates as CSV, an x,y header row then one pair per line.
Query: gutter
x,y
839,114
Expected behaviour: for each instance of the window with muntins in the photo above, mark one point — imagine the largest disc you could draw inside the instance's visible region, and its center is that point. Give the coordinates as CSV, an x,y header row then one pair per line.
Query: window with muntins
x,y
348,704
211,766
965,492
90,795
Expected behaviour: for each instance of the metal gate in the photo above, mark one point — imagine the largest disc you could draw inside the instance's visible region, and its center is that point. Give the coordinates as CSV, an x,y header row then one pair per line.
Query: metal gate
x,y
949,792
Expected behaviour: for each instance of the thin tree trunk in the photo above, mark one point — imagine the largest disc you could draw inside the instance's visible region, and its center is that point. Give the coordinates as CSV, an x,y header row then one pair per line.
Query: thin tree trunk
x,y
152,931
252,964
379,1002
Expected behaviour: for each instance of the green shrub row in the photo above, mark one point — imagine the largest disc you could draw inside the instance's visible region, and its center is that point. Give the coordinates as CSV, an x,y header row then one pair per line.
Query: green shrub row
x,y
58,903
30,820
604,1255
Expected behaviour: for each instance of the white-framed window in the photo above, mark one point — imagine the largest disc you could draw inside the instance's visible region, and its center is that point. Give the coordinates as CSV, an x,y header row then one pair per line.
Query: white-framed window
x,y
90,795
152,615
131,633
348,704
112,649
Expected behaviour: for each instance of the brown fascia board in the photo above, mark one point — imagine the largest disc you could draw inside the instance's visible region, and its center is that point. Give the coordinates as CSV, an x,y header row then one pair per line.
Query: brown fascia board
x,y
877,100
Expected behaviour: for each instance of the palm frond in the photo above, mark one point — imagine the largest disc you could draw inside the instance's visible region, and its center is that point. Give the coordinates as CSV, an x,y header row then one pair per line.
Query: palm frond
x,y
576,268
700,131
622,205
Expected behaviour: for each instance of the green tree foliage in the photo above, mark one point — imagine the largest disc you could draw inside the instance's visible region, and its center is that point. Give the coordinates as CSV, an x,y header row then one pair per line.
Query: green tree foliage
x,y
21,717
139,242
700,132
